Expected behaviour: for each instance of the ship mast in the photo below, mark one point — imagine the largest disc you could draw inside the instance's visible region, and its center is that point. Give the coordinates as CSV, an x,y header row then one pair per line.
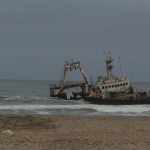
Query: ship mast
x,y
108,62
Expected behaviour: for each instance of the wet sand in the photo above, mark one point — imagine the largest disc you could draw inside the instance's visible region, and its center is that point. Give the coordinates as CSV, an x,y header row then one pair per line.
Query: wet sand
x,y
45,132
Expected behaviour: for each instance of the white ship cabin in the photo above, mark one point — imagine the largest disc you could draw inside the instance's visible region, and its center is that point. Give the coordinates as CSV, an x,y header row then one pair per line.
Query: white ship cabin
x,y
114,84
111,83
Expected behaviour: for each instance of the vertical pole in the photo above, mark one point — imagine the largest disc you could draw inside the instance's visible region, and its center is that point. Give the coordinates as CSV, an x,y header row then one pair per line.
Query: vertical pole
x,y
63,81
120,67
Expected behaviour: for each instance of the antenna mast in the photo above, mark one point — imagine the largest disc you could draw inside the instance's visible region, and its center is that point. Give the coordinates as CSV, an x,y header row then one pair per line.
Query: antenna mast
x,y
108,62
120,67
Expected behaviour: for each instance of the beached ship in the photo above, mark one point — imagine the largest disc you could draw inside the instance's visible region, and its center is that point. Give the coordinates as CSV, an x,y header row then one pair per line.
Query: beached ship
x,y
109,89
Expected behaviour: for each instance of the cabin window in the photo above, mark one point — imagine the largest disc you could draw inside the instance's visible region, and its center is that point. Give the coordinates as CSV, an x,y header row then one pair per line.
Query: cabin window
x,y
127,83
102,87
109,86
106,87
115,85
121,84
112,86
124,84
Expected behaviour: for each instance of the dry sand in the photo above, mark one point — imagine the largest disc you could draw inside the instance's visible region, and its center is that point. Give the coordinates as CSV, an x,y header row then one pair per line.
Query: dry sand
x,y
43,132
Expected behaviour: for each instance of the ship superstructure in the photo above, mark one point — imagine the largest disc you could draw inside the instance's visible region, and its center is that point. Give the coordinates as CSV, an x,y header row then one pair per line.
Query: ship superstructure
x,y
112,83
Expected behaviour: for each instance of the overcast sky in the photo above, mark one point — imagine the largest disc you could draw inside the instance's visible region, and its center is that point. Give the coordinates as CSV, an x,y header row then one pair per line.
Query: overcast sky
x,y
38,36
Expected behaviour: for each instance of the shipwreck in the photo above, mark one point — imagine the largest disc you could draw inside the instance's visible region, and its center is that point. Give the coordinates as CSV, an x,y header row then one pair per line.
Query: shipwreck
x,y
109,89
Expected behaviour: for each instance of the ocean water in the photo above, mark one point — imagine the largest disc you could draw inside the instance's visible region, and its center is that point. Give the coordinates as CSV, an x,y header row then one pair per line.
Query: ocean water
x,y
32,97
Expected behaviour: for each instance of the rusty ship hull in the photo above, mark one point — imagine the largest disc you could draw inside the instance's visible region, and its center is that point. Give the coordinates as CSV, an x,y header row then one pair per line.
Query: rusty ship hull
x,y
113,101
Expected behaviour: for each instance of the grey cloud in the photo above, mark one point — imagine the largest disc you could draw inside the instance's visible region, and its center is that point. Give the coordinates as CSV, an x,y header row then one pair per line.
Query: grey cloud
x,y
46,33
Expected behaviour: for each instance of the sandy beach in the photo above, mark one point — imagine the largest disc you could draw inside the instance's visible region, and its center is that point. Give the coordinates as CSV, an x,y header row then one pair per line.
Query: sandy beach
x,y
45,132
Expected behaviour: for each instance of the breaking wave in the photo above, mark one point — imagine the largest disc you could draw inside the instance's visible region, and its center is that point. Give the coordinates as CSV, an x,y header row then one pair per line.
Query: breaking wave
x,y
84,109
23,98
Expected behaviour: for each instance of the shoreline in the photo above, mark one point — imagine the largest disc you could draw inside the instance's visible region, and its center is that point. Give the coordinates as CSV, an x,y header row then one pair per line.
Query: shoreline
x,y
49,132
